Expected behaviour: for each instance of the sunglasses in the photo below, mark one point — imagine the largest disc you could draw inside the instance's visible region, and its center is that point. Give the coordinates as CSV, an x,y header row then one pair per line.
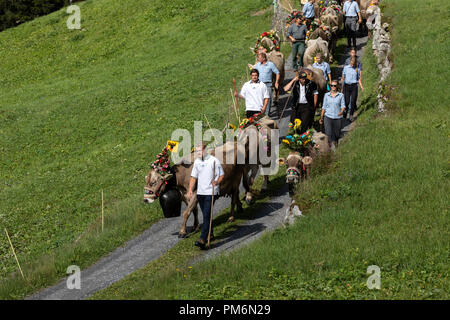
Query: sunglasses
x,y
333,85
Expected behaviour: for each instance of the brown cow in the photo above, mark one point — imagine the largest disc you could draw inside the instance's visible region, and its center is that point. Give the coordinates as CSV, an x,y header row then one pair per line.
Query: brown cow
x,y
325,34
312,48
276,57
180,176
252,139
297,168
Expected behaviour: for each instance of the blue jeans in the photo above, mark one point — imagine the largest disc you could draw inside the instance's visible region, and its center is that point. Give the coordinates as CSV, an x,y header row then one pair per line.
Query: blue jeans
x,y
205,205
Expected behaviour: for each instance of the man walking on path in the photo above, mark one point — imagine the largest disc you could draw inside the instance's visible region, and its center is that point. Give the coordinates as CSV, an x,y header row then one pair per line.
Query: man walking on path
x,y
308,12
297,34
304,100
266,69
352,18
202,173
256,95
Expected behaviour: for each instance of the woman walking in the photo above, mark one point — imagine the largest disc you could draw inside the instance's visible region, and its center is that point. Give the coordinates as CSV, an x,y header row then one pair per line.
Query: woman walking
x,y
332,110
351,77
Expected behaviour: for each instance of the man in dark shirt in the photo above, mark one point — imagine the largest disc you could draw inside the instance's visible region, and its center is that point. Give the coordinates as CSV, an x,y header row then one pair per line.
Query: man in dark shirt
x,y
297,34
304,100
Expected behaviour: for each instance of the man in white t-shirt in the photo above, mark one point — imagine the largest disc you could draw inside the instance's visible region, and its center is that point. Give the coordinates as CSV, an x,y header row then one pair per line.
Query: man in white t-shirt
x,y
256,95
202,173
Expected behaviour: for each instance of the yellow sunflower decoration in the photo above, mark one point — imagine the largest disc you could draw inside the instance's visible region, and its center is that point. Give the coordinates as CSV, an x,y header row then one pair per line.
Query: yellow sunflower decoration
x,y
172,146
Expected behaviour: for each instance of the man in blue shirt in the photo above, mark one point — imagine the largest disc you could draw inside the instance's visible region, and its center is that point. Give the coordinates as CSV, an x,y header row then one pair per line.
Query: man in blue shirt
x,y
266,70
324,66
308,12
352,18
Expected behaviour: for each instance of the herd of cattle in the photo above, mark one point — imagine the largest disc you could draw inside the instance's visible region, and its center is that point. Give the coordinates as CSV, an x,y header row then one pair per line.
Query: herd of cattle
x,y
322,39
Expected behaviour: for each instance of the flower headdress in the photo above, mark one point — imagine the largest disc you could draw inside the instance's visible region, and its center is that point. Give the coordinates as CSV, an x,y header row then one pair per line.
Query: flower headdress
x,y
162,162
272,36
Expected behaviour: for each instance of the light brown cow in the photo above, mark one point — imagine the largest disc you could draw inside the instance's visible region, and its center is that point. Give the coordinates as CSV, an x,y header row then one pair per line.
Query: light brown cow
x,y
253,140
180,176
325,34
312,48
297,168
276,57
321,143
363,5
316,75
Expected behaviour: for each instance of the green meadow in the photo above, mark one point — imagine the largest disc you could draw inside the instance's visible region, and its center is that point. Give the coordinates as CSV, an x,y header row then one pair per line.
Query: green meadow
x,y
87,110
381,200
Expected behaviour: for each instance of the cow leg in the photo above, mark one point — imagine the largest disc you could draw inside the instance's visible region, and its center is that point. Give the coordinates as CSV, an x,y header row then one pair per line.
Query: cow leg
x,y
190,206
247,186
233,200
238,203
196,226
265,183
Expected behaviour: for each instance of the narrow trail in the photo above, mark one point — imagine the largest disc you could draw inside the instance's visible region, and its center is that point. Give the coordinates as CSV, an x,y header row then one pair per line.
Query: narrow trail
x,y
163,235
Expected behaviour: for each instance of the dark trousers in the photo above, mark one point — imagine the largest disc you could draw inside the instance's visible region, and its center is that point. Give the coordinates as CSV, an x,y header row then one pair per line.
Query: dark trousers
x,y
298,49
351,28
350,96
333,128
305,113
250,114
205,205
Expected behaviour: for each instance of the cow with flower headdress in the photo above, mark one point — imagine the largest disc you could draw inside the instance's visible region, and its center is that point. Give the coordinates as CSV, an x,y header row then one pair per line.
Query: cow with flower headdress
x,y
332,18
269,43
255,135
163,176
305,148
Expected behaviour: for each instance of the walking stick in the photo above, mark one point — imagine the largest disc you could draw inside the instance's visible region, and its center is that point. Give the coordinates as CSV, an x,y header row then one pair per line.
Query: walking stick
x,y
212,204
285,105
237,102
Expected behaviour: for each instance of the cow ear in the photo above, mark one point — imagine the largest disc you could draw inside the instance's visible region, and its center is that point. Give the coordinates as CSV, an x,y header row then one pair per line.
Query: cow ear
x,y
167,176
281,161
307,160
335,29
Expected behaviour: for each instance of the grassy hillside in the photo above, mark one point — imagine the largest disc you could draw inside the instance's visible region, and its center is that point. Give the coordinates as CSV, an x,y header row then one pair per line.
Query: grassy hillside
x,y
384,201
86,110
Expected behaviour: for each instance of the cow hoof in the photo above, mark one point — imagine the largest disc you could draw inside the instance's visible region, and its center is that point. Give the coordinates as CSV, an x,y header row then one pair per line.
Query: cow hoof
x,y
182,235
230,219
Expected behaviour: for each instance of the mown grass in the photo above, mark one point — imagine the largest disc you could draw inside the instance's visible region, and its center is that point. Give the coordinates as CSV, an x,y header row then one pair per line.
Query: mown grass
x,y
87,110
383,201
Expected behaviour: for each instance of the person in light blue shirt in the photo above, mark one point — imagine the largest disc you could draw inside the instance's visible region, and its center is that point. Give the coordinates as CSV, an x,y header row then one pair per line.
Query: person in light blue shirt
x,y
324,66
308,11
352,19
333,109
351,78
266,70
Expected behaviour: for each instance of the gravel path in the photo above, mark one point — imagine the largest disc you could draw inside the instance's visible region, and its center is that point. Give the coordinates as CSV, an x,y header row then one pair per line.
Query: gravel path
x,y
163,235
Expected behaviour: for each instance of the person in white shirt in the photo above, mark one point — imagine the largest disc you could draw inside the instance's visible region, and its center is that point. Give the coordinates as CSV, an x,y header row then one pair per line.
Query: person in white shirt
x,y
256,95
202,173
